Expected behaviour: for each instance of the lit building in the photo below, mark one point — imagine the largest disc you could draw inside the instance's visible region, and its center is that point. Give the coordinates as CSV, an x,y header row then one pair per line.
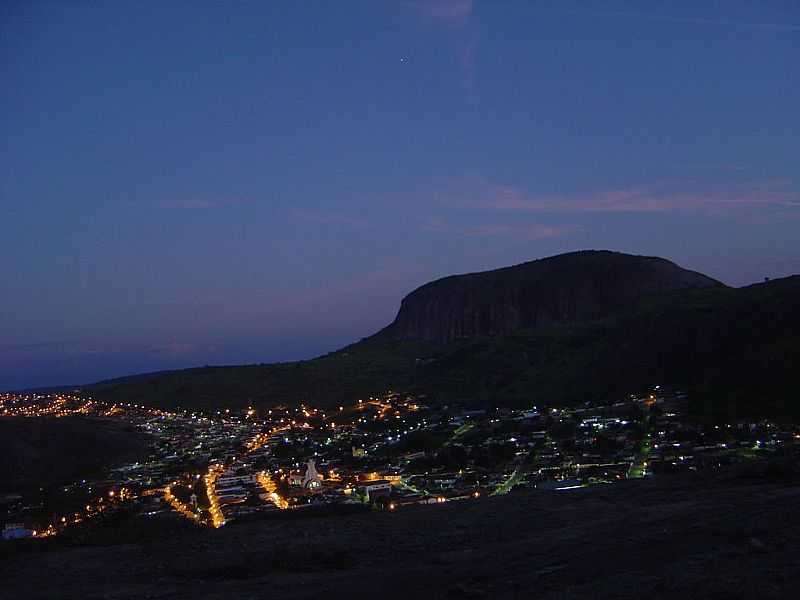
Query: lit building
x,y
15,531
310,480
374,489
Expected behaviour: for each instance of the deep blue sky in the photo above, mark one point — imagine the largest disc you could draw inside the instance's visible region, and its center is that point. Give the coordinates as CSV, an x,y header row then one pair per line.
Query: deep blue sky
x,y
189,183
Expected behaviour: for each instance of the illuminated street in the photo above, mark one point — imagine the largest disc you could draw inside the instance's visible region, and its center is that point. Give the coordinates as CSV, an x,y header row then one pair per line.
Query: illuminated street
x,y
383,453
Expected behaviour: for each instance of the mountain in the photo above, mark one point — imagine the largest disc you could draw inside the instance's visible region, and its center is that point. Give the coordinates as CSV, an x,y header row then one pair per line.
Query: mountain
x,y
560,290
576,327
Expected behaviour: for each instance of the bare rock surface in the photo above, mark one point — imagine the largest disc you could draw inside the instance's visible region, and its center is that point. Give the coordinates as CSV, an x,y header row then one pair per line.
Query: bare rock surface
x,y
563,289
657,539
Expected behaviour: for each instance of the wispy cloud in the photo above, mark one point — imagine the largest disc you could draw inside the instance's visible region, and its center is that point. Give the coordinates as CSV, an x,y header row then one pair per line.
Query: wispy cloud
x,y
188,204
731,23
777,194
517,231
172,349
200,203
324,218
452,13
66,348
455,18
39,345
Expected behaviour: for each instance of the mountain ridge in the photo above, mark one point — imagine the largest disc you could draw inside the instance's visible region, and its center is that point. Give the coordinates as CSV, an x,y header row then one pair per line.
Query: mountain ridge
x,y
733,349
566,288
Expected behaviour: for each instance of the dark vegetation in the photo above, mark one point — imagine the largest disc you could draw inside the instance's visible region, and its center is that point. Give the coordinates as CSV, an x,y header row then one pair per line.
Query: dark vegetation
x,y
43,452
734,350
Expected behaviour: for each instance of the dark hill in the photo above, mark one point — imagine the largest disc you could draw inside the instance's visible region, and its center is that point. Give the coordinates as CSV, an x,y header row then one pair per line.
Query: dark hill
x,y
569,288
734,350
51,451
682,538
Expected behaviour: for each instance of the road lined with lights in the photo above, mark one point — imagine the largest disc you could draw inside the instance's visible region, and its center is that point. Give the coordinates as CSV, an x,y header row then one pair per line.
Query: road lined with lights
x,y
180,507
265,481
217,518
100,505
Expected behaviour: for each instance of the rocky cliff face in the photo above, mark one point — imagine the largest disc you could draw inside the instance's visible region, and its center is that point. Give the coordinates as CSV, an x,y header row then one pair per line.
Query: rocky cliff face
x,y
569,288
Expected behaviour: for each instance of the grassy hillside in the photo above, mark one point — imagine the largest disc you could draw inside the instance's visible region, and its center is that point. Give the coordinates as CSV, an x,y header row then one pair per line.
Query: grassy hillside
x,y
45,452
735,350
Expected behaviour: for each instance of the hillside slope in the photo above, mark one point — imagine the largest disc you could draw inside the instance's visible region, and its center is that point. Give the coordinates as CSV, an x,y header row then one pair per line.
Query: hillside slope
x,y
734,350
691,538
50,451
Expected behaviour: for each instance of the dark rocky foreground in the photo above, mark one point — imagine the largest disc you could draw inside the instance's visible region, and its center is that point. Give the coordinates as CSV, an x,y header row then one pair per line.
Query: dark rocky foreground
x,y
658,539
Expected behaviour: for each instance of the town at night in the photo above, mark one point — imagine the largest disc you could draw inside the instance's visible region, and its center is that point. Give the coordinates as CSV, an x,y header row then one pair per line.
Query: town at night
x,y
448,299
382,453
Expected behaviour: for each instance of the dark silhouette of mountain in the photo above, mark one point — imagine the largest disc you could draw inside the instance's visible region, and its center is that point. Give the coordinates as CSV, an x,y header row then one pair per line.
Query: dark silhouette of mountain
x,y
569,288
582,326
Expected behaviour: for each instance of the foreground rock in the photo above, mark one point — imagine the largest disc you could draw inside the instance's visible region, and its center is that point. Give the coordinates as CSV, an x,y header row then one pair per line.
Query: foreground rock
x,y
666,539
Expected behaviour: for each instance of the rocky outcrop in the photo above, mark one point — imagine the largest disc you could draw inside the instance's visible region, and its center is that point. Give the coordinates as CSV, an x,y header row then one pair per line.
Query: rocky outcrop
x,y
564,289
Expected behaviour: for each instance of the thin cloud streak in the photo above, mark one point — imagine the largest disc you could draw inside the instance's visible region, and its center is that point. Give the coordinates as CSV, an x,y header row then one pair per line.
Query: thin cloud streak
x,y
39,345
172,349
455,16
330,219
526,232
453,13
777,194
199,204
690,20
188,204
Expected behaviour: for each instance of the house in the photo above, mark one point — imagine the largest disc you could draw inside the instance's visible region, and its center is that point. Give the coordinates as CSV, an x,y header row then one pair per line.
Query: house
x,y
374,489
15,531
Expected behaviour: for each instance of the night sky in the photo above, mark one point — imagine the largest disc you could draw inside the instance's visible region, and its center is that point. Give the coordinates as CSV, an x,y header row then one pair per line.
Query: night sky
x,y
191,183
